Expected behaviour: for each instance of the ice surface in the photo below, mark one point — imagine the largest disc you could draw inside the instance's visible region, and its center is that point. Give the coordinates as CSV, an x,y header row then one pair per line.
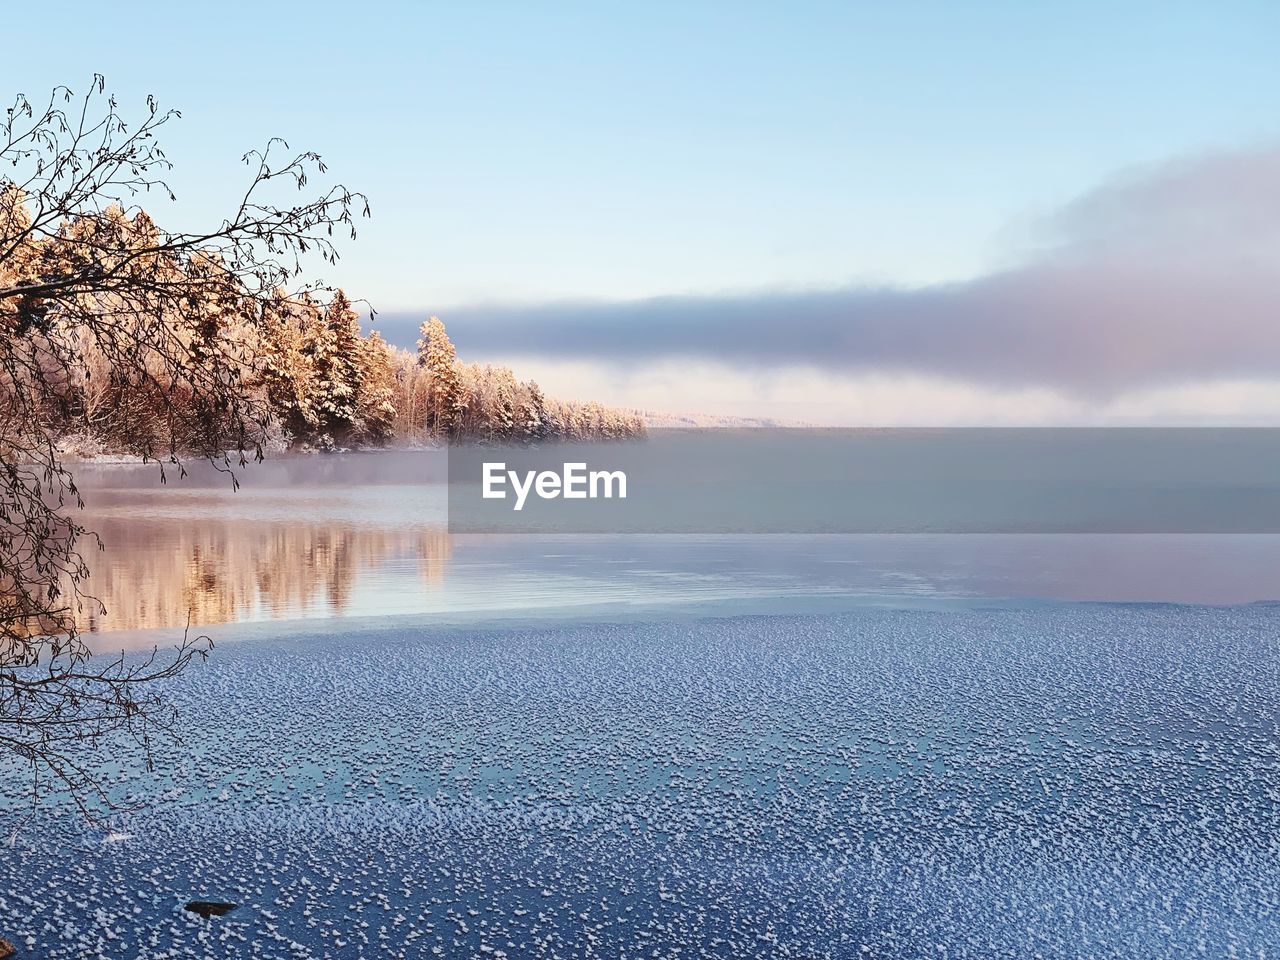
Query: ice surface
x,y
1058,781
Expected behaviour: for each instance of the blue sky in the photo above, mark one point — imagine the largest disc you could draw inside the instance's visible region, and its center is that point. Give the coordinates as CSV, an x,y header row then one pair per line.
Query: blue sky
x,y
525,152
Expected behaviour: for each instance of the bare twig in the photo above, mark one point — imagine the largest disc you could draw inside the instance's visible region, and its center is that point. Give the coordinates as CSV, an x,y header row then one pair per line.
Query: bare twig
x,y
103,313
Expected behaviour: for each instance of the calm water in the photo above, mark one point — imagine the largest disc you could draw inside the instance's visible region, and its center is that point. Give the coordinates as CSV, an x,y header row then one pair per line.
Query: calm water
x,y
364,535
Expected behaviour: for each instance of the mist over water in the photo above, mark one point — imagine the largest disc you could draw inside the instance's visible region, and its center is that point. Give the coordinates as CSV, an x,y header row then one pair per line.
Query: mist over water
x,y
364,535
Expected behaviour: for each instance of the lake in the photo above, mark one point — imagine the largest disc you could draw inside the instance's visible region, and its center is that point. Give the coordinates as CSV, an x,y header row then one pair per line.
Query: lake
x,y
365,535
422,744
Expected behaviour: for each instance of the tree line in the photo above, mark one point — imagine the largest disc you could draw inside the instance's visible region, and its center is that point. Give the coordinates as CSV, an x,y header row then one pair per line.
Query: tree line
x,y
328,385
320,381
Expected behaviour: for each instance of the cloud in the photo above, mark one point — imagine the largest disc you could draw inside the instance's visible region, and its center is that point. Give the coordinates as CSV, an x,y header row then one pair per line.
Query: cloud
x,y
1166,276
804,394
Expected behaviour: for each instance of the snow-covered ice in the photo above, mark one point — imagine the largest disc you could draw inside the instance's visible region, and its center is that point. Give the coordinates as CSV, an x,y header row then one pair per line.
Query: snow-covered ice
x,y
1058,780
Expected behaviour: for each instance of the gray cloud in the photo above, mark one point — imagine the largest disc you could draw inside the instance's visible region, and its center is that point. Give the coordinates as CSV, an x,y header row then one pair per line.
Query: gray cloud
x,y
1157,278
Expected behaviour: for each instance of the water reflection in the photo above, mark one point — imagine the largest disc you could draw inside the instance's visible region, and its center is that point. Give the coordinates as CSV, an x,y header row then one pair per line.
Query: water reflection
x,y
364,536
160,573
300,538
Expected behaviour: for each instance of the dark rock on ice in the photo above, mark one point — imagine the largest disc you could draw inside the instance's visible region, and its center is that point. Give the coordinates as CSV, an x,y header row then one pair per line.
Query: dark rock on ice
x,y
208,908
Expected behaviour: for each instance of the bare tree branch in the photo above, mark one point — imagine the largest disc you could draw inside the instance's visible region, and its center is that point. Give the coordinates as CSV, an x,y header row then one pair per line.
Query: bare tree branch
x,y
170,318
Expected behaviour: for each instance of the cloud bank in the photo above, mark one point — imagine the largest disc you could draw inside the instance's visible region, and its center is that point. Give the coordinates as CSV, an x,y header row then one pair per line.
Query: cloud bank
x,y
1168,276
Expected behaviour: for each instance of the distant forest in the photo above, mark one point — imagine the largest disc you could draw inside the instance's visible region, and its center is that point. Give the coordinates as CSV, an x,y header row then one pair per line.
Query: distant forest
x,y
328,384
318,380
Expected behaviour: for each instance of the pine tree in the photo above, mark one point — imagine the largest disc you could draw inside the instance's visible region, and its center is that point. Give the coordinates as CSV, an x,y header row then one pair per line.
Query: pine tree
x,y
445,400
502,424
334,348
536,423
376,408
285,372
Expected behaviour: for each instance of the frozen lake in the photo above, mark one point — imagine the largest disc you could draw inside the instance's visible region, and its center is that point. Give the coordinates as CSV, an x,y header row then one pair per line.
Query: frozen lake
x,y
1059,780
863,746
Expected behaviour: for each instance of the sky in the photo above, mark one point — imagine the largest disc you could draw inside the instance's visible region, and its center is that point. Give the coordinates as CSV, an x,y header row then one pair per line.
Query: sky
x,y
841,213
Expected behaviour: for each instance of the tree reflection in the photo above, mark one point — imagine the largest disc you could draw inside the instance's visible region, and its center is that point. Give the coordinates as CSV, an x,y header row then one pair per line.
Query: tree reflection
x,y
217,571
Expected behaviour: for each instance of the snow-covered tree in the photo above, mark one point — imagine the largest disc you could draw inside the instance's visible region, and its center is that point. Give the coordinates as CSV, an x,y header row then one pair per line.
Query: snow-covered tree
x,y
444,402
534,424
376,410
333,347
283,366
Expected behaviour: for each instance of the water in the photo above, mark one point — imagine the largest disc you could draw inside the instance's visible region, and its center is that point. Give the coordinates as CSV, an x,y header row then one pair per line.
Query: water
x,y
846,747
364,535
